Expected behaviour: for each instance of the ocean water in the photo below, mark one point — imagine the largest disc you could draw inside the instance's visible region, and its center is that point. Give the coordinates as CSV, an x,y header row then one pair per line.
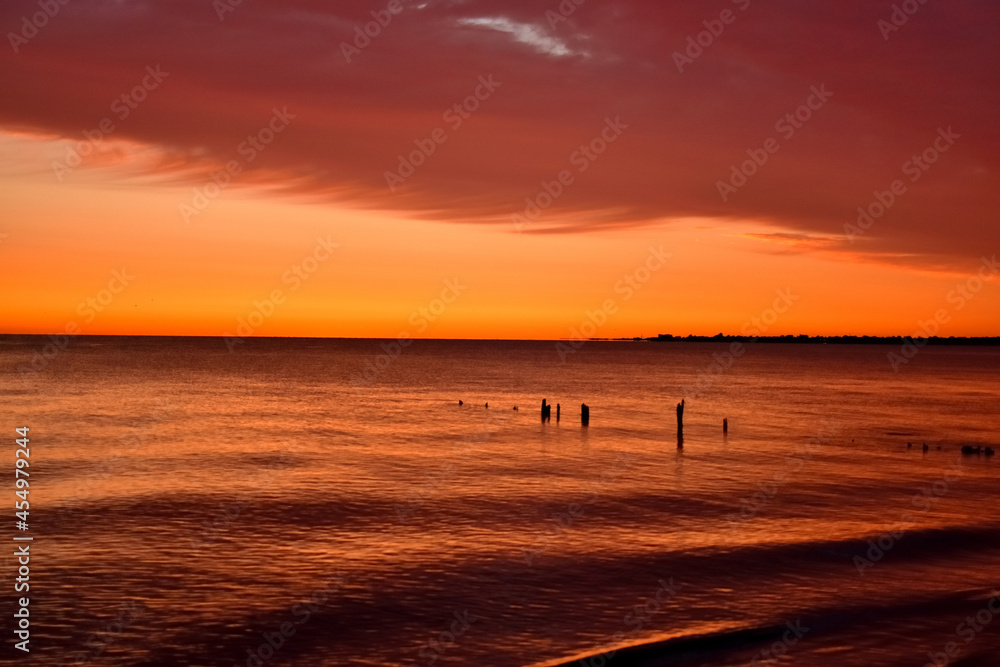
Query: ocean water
x,y
274,506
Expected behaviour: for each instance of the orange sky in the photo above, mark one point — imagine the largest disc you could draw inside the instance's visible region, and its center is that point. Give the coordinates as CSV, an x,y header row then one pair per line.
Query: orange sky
x,y
654,187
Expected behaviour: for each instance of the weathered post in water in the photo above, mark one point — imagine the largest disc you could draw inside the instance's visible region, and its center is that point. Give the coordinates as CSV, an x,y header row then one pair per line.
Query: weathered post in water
x,y
680,424
543,409
584,415
725,426
558,407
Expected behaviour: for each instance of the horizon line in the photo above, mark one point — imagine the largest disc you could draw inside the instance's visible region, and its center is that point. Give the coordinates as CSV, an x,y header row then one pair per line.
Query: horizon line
x,y
632,339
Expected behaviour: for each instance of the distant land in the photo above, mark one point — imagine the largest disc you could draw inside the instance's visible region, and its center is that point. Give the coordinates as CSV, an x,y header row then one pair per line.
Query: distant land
x,y
63,340
832,340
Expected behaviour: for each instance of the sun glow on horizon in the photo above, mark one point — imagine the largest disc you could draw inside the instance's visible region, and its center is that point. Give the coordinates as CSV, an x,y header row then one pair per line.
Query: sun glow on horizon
x,y
387,272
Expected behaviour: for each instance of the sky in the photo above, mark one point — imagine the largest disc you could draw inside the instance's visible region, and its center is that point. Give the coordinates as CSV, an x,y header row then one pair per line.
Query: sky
x,y
483,169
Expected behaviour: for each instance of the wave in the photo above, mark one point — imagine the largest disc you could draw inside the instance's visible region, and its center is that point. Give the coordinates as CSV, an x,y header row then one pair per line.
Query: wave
x,y
849,622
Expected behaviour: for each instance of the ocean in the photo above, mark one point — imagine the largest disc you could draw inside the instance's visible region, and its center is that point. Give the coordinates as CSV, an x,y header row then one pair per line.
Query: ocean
x,y
329,502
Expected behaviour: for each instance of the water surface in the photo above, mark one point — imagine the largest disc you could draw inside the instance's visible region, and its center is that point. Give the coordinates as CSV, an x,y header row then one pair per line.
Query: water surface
x,y
189,501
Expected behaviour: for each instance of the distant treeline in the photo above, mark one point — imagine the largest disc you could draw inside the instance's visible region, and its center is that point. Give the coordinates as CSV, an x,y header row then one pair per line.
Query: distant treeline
x,y
833,340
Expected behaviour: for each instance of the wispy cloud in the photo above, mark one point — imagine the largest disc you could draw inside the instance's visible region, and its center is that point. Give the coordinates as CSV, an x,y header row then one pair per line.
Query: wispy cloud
x,y
525,33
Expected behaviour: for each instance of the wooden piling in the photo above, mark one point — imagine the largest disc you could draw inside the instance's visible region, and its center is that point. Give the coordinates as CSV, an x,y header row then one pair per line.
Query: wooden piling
x,y
725,426
544,410
558,408
584,415
680,424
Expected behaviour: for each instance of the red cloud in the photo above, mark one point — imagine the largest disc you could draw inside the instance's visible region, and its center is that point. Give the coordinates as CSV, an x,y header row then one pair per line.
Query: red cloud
x,y
560,80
